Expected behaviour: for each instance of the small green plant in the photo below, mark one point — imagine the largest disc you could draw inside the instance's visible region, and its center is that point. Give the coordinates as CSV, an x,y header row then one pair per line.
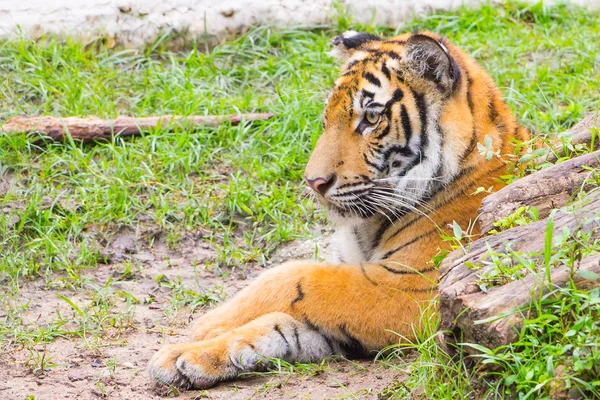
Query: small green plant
x,y
487,150
521,216
40,362
182,296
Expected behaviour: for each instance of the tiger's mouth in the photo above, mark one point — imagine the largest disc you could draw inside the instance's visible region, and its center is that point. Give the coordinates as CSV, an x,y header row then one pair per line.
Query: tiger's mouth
x,y
371,199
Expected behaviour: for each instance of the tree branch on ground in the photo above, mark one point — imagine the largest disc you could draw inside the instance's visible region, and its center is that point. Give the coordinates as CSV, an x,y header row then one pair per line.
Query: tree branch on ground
x,y
93,129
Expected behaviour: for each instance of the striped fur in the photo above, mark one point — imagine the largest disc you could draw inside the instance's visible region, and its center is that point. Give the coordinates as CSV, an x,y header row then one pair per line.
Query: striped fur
x,y
401,128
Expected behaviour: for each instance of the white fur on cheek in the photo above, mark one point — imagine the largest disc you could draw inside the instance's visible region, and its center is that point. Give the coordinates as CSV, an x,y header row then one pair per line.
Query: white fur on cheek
x,y
419,180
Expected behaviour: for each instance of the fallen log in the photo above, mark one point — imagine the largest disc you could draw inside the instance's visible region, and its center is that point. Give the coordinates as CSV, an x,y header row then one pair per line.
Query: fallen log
x,y
546,189
585,132
464,306
98,129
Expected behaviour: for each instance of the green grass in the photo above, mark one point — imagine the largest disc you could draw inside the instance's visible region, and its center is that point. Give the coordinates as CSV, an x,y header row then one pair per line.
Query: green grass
x,y
237,187
240,185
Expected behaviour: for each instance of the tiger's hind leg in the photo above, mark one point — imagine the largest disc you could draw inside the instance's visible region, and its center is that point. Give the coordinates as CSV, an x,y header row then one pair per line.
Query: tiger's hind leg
x,y
202,364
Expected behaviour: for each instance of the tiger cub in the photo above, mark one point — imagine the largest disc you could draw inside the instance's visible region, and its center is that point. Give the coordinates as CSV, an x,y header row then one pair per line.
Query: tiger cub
x,y
397,161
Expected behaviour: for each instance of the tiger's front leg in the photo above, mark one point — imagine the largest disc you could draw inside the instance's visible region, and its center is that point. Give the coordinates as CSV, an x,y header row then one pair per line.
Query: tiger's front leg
x,y
202,364
299,312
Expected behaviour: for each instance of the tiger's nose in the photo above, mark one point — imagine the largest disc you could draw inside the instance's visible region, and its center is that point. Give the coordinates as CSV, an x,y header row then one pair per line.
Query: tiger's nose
x,y
321,185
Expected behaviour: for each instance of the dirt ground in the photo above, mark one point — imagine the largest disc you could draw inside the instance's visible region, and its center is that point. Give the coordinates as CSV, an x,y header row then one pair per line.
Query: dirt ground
x,y
114,366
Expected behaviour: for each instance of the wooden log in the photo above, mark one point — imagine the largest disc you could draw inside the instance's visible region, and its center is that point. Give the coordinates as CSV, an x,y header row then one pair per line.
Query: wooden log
x,y
98,129
545,189
463,305
584,132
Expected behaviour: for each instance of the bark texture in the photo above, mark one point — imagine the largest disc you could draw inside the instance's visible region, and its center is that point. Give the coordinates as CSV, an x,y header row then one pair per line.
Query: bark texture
x,y
98,129
546,189
463,305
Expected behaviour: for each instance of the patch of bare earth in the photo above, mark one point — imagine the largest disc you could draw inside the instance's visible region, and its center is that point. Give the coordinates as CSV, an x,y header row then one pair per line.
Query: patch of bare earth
x,y
112,364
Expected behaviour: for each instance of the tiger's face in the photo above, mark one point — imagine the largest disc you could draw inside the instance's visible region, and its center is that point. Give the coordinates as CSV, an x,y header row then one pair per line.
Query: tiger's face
x,y
380,152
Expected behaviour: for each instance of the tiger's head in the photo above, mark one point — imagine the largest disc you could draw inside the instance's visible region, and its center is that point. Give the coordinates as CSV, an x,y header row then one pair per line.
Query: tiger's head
x,y
388,141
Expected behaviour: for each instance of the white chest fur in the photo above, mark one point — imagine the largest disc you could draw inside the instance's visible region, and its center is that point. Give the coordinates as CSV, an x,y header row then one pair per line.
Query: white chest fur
x,y
347,246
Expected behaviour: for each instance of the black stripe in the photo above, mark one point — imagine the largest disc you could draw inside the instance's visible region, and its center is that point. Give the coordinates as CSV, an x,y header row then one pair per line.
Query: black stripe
x,y
297,339
300,294
364,272
372,79
315,328
413,240
473,142
374,152
388,114
422,107
403,150
405,226
396,97
424,140
386,71
384,133
356,65
492,111
469,95
472,146
366,93
377,167
278,330
408,271
287,344
406,124
385,225
352,347
351,64
352,184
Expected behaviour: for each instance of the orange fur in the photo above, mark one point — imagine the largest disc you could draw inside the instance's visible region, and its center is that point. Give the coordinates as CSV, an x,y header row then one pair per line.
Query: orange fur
x,y
423,154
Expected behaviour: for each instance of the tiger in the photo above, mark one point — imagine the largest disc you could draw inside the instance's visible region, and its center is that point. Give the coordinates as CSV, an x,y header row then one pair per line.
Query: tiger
x,y
399,161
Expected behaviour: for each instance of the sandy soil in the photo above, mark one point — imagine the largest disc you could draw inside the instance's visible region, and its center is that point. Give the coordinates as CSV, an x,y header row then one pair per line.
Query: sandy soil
x,y
114,366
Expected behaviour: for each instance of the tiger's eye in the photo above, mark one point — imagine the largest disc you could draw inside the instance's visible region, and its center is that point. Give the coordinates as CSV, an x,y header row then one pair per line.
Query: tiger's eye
x,y
372,117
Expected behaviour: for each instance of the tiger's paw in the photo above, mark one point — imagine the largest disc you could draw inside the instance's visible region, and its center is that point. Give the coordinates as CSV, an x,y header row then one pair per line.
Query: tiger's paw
x,y
199,365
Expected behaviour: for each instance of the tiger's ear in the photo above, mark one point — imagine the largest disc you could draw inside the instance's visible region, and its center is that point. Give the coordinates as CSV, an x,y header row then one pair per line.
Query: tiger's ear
x,y
429,59
350,41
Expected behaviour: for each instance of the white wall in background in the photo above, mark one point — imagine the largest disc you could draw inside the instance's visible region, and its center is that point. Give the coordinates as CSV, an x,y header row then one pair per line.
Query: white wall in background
x,y
134,22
